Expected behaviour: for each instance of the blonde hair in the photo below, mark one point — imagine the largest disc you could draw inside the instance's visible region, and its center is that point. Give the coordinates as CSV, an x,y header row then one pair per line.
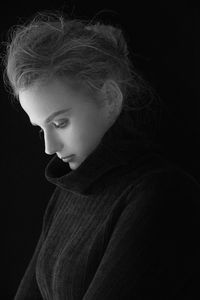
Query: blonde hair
x,y
53,45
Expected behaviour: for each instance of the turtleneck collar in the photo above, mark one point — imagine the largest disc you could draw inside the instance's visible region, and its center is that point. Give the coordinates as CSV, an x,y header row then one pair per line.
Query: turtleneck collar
x,y
120,146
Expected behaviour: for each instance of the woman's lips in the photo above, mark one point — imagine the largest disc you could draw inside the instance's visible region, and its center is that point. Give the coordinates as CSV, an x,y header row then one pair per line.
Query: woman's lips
x,y
67,158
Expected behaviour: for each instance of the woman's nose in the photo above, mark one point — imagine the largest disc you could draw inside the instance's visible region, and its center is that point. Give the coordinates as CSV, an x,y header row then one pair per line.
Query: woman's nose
x,y
52,144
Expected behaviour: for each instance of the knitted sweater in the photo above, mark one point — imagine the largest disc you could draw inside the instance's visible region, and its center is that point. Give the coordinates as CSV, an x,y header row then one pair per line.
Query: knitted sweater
x,y
123,225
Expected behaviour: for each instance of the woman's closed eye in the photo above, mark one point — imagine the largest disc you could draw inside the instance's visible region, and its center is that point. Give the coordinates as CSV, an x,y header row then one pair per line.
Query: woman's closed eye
x,y
60,125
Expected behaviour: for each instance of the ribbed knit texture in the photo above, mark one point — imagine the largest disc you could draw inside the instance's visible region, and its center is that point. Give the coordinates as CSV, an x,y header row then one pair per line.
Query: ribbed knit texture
x,y
121,226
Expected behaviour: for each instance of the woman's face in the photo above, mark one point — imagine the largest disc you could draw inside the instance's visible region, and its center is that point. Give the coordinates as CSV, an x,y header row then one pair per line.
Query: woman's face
x,y
76,131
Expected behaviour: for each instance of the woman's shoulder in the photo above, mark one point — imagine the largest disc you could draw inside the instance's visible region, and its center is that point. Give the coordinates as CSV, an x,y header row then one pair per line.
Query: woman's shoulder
x,y
169,197
160,187
163,206
155,173
172,181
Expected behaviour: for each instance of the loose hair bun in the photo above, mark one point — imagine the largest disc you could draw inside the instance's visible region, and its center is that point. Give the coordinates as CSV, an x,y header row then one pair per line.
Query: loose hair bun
x,y
111,34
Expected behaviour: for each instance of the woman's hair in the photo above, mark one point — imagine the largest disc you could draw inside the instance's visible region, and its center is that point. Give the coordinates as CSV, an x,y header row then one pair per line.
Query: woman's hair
x,y
52,45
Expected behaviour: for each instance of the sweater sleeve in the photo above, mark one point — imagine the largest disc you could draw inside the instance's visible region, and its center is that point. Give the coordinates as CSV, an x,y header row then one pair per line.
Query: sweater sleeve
x,y
153,252
28,288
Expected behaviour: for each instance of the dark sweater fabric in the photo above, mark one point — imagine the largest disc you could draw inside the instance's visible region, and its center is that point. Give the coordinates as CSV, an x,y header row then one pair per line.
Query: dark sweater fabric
x,y
124,225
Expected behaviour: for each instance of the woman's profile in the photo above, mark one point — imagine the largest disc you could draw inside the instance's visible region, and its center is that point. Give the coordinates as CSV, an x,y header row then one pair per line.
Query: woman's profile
x,y
123,222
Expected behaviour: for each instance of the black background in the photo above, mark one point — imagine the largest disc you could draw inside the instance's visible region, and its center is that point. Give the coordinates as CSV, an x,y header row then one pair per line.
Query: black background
x,y
166,36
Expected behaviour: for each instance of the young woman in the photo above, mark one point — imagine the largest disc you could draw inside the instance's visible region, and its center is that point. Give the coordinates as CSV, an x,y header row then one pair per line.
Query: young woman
x,y
123,222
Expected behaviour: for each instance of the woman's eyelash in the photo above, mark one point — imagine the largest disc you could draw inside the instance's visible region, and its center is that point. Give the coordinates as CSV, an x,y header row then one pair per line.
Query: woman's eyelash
x,y
61,125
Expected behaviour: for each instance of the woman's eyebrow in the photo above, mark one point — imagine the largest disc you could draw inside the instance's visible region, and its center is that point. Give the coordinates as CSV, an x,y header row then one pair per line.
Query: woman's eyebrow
x,y
53,115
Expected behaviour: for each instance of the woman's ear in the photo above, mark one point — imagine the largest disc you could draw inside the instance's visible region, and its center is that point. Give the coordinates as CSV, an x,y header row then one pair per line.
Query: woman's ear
x,y
113,97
